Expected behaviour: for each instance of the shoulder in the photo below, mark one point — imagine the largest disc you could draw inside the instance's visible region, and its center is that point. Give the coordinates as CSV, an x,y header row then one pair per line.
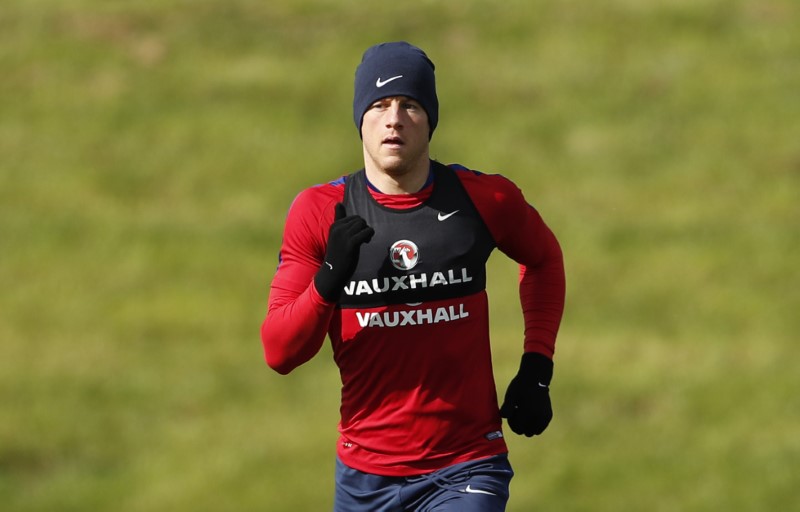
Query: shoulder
x,y
488,190
313,202
511,220
319,196
311,214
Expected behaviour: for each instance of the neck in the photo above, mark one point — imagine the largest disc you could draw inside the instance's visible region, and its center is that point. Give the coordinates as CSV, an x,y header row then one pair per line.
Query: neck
x,y
406,181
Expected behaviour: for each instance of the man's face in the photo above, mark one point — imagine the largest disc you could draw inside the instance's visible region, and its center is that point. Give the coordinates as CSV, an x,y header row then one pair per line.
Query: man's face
x,y
395,134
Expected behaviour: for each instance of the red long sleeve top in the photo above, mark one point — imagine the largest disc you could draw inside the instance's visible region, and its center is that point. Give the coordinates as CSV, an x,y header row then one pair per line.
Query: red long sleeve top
x,y
424,397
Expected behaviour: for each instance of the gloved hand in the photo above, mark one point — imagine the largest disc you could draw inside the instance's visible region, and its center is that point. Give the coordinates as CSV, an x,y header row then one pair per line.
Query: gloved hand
x,y
345,237
527,402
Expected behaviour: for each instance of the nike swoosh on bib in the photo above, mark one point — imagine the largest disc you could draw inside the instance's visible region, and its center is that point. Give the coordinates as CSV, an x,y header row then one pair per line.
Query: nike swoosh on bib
x,y
380,83
445,216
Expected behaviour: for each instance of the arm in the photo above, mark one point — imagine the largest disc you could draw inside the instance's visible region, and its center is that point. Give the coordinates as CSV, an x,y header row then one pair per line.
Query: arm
x,y
527,405
542,291
529,242
297,316
309,280
295,326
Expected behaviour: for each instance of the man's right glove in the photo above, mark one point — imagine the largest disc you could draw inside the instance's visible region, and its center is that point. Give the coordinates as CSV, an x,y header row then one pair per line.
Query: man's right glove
x,y
346,235
527,402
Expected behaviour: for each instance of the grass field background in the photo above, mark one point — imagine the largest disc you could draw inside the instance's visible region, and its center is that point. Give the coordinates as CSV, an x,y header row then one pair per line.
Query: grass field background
x,y
149,151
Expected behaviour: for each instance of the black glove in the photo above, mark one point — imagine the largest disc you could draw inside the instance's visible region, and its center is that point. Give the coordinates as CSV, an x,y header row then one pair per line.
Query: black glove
x,y
345,237
527,403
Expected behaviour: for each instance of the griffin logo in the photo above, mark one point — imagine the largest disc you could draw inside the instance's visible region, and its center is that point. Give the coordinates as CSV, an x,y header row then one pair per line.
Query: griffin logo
x,y
404,254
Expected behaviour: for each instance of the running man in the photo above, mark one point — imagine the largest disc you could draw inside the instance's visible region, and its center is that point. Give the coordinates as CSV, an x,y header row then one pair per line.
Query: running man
x,y
390,263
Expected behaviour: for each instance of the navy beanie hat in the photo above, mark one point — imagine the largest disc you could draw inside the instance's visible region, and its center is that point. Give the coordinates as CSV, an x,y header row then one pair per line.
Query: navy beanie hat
x,y
395,69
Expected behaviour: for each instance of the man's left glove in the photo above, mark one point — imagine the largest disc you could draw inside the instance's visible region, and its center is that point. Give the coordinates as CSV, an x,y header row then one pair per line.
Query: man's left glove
x,y
527,402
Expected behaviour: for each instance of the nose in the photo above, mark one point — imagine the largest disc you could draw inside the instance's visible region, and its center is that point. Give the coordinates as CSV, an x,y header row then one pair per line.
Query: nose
x,y
393,115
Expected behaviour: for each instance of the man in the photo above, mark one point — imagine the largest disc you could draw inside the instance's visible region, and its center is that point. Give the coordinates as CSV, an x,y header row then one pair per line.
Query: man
x,y
390,263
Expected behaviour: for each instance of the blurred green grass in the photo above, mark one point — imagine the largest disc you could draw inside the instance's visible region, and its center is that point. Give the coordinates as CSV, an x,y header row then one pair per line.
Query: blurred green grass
x,y
150,150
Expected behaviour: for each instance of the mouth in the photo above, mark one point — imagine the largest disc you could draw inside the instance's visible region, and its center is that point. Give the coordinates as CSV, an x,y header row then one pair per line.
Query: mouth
x,y
392,141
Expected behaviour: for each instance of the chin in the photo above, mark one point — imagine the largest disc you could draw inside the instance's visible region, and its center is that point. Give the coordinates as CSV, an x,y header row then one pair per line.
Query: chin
x,y
395,167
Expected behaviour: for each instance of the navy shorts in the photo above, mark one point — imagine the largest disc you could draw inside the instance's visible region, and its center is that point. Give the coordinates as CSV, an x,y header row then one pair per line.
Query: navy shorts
x,y
475,486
